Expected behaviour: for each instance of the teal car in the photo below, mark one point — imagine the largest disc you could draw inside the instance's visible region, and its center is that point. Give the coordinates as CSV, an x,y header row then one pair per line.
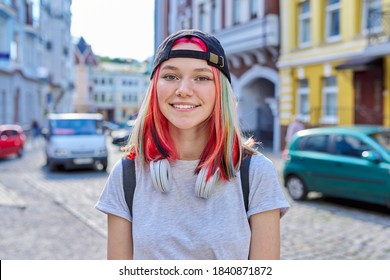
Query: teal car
x,y
346,162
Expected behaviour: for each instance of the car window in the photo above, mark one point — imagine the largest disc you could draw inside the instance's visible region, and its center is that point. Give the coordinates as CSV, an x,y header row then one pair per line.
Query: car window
x,y
318,143
350,146
76,127
13,133
382,138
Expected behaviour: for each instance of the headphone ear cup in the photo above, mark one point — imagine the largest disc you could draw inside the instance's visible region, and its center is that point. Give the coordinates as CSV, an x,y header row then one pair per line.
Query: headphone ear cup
x,y
161,175
202,188
162,178
153,175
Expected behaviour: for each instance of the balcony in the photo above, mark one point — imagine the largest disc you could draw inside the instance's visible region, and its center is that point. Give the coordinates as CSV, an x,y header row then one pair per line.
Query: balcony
x,y
379,25
378,38
251,36
7,9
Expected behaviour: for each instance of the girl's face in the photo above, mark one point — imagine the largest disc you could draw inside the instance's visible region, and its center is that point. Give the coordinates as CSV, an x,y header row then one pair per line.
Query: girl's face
x,y
186,90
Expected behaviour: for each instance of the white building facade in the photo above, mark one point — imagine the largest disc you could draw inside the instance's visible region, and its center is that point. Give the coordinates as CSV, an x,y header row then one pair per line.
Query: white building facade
x,y
36,61
119,89
249,32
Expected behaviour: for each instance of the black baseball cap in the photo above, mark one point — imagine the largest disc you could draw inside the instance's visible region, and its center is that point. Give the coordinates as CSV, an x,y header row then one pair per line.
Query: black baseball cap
x,y
215,54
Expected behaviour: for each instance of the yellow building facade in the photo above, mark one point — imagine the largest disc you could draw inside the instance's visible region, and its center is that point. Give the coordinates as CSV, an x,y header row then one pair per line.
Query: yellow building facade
x,y
334,63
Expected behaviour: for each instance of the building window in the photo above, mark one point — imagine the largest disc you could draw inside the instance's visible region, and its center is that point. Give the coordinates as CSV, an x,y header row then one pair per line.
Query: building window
x,y
332,20
3,102
304,24
3,43
214,16
202,17
372,14
253,8
236,11
14,51
329,100
303,99
35,12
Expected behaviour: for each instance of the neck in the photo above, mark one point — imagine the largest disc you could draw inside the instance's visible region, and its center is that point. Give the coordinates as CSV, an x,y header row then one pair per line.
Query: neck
x,y
190,143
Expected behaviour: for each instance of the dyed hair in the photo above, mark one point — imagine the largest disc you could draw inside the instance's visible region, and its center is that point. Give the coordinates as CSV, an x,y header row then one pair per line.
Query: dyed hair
x,y
151,141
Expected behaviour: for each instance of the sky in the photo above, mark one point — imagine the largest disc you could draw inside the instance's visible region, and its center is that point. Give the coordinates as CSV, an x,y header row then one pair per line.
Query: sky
x,y
115,28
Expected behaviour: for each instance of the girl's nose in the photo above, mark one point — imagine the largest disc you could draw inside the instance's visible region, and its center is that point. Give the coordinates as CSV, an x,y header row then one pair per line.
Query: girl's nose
x,y
184,88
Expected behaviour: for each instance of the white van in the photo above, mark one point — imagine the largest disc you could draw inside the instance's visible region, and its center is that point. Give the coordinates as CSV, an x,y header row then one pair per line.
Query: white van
x,y
76,140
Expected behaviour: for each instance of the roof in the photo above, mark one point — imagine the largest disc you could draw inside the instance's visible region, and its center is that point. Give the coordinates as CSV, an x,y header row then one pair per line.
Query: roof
x,y
82,45
11,126
366,129
75,116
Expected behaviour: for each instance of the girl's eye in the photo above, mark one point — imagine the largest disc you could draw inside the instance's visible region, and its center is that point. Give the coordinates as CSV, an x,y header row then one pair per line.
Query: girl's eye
x,y
169,77
203,78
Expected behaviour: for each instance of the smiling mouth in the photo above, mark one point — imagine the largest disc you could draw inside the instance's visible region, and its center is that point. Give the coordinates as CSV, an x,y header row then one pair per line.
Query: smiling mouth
x,y
182,106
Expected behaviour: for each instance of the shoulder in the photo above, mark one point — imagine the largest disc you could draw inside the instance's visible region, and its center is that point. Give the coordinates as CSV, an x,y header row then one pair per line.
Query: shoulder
x,y
265,191
260,162
117,169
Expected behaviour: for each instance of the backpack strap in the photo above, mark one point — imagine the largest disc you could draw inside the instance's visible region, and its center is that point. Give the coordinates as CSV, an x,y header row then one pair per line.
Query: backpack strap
x,y
129,180
244,173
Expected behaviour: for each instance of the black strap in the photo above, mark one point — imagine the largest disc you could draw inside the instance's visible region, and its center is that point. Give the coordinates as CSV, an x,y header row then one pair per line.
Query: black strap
x,y
129,181
244,173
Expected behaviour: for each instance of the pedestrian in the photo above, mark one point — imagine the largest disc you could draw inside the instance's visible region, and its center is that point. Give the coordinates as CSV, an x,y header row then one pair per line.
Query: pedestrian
x,y
35,132
187,146
293,127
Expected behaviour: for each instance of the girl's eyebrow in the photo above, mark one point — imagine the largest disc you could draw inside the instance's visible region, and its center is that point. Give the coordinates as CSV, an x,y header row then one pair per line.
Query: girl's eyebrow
x,y
170,67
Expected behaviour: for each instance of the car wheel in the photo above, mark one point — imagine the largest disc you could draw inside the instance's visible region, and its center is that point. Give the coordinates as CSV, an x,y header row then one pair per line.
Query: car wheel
x,y
52,167
296,188
100,166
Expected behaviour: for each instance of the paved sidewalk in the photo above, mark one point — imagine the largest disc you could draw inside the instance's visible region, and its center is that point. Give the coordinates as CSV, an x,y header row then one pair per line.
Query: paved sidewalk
x,y
10,198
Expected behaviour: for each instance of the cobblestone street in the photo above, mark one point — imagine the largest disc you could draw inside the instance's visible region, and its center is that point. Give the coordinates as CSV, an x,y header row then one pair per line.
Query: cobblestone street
x,y
52,216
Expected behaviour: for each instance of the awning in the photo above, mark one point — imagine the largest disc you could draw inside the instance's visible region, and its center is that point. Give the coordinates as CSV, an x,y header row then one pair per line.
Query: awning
x,y
361,63
378,49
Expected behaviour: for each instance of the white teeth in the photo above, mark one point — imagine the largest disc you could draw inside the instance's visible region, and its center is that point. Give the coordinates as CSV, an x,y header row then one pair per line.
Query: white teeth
x,y
179,106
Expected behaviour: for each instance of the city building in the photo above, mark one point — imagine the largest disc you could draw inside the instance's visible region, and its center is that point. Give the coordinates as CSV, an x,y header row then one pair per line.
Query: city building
x,y
119,88
85,61
114,87
36,61
249,32
335,62
57,57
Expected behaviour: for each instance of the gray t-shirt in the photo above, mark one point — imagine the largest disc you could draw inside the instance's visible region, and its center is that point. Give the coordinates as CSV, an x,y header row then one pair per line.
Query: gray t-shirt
x,y
180,225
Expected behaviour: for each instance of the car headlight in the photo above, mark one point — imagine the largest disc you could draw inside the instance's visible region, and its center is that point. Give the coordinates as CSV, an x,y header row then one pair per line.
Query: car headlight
x,y
102,152
60,153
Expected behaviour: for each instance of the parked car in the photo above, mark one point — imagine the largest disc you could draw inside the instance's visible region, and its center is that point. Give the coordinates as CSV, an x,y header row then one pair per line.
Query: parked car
x,y
76,140
110,127
121,136
345,162
12,139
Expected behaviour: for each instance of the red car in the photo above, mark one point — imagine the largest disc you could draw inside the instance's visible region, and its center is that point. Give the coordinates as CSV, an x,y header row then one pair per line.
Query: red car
x,y
12,140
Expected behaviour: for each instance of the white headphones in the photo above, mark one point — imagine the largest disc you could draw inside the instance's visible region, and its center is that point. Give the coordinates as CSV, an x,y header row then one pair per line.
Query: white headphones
x,y
162,178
